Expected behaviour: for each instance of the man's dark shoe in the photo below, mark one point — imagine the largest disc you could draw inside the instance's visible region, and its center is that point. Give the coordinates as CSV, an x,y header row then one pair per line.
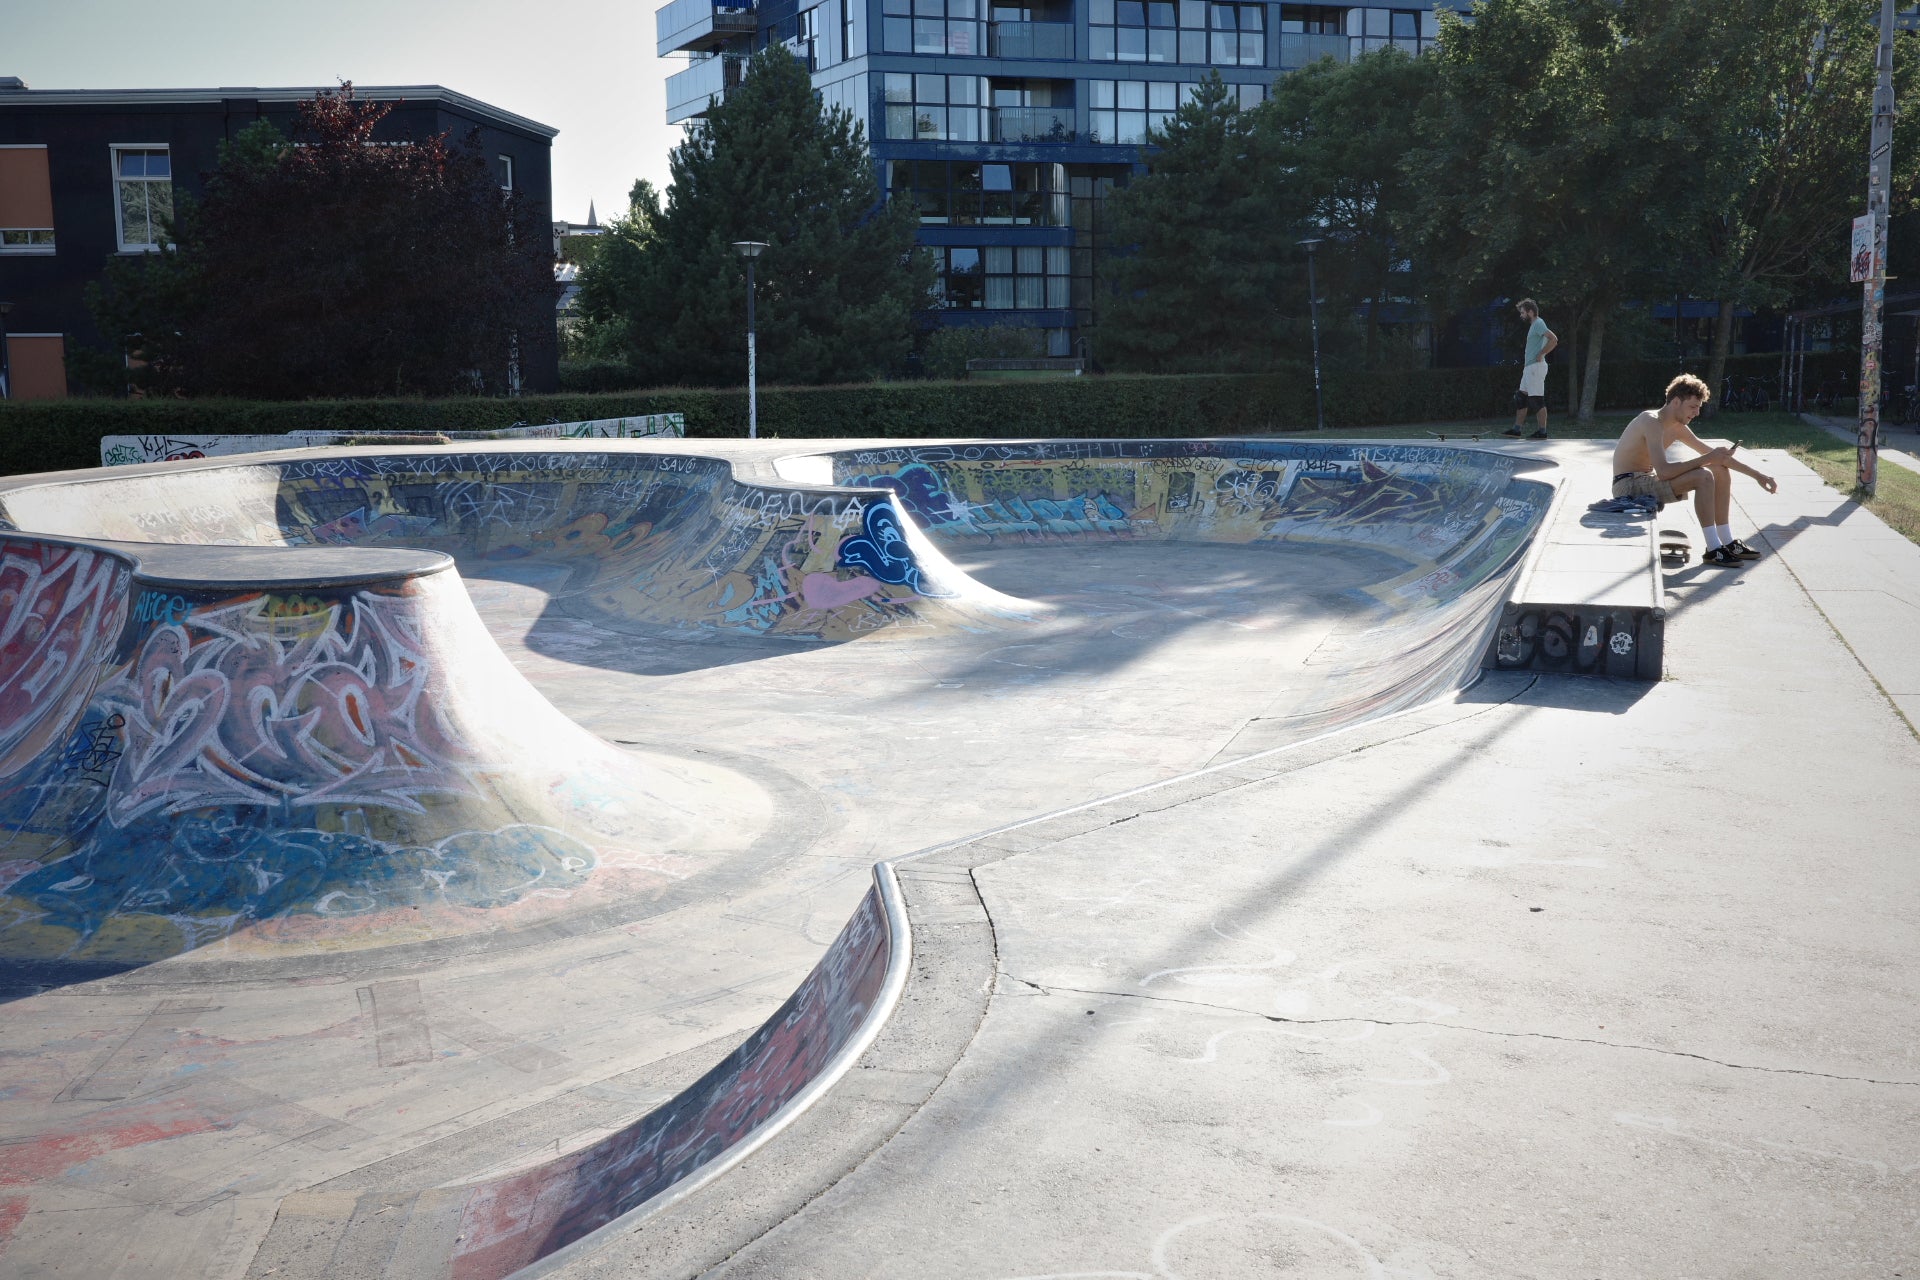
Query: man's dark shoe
x,y
1722,558
1541,434
1512,431
1742,550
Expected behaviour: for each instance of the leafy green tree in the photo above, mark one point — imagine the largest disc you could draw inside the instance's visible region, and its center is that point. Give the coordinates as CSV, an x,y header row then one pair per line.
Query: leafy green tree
x,y
838,283
340,266
1207,269
1797,94
613,303
1336,141
1561,156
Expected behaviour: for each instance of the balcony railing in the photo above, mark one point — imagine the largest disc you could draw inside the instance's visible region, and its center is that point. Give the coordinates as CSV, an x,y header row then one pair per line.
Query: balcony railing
x,y
1299,50
1030,40
695,25
1032,124
690,92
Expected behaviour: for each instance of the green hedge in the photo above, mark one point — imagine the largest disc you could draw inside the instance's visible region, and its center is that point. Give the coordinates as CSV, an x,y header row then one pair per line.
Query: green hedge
x,y
56,435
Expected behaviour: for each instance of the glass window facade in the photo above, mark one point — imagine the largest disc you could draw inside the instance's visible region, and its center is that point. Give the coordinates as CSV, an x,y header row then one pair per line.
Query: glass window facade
x,y
1190,31
1312,31
143,191
965,193
1002,277
932,108
853,23
947,28
1121,112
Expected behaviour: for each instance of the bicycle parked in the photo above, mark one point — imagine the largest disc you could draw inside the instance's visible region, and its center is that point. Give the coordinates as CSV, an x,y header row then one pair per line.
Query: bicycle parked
x,y
1901,408
1743,395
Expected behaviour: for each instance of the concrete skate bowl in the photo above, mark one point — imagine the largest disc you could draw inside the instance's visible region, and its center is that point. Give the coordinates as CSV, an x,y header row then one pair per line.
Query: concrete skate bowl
x,y
297,760
247,711
253,705
1449,524
250,703
665,541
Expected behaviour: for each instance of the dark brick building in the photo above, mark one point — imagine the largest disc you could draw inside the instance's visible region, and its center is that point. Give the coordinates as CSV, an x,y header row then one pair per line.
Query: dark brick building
x,y
85,175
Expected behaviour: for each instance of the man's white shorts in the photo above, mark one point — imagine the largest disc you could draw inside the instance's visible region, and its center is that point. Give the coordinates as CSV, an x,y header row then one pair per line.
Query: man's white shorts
x,y
1533,379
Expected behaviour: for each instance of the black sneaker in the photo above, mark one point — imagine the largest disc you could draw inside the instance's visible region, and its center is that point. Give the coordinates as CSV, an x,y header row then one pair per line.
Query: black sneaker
x,y
1512,431
1742,550
1541,434
1723,558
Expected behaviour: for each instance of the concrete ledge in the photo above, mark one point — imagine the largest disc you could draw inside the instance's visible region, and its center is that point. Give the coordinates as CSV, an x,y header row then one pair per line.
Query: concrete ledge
x,y
1592,598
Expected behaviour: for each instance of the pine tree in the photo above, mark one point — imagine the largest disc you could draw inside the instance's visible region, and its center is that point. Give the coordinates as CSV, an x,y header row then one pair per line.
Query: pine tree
x,y
1205,272
837,285
1336,137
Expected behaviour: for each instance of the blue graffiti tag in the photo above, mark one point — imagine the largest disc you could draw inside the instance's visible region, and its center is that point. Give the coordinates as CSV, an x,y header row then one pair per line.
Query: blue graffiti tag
x,y
882,552
158,606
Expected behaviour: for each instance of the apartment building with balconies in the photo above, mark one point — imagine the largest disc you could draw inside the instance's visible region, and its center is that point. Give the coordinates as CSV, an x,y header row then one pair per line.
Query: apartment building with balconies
x,y
1009,122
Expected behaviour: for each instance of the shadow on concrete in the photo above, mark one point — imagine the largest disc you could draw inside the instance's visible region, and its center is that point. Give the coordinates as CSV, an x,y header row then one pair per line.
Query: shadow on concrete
x,y
1361,815
1561,691
1701,581
1616,524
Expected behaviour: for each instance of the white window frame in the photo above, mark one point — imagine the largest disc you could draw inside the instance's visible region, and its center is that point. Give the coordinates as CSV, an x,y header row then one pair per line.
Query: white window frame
x,y
29,250
113,177
506,162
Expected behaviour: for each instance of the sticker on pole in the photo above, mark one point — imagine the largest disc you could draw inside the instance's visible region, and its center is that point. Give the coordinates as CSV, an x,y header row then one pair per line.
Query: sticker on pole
x,y
1862,253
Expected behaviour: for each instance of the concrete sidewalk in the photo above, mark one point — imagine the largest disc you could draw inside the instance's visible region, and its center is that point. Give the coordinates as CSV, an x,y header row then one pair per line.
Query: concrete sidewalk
x,y
1862,577
1564,978
1896,443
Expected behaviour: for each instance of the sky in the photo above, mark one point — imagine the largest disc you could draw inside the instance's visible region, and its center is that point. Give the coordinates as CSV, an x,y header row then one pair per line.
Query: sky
x,y
586,68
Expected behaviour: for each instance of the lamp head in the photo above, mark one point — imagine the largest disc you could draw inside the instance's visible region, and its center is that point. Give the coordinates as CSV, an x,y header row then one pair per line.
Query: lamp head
x,y
749,248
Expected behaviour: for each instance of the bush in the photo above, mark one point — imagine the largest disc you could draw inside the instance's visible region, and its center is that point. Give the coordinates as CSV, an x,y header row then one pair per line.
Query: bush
x,y
61,434
945,352
596,377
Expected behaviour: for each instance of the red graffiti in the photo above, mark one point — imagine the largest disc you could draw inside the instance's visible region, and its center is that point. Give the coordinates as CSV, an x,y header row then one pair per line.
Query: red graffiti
x,y
61,610
50,1155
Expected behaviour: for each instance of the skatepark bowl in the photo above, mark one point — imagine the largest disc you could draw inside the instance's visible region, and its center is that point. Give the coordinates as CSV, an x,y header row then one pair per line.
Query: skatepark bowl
x,y
490,831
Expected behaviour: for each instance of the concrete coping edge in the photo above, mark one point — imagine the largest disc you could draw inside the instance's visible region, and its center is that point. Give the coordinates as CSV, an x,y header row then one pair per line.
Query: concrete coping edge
x,y
893,985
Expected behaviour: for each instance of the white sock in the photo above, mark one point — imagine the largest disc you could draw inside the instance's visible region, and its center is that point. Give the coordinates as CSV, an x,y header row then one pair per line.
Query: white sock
x,y
1712,533
1725,532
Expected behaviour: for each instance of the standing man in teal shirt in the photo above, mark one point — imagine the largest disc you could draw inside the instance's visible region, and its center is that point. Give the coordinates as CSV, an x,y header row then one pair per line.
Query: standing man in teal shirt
x,y
1533,375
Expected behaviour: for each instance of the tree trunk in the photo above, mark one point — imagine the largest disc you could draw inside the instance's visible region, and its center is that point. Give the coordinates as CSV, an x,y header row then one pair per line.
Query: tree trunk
x,y
1373,328
1717,362
1572,348
1590,384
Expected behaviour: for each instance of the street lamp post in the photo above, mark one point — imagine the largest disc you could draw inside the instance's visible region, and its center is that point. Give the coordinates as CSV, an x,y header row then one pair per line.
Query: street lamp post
x,y
6,371
751,249
1313,309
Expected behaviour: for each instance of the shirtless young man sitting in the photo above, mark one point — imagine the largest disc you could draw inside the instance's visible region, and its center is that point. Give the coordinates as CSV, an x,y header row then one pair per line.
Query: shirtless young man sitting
x,y
1640,467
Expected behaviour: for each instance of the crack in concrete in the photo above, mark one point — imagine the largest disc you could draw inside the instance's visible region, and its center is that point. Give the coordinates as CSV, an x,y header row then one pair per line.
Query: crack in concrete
x,y
1459,1026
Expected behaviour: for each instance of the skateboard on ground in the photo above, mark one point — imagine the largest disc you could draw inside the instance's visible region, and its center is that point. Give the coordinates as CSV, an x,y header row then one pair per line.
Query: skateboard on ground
x,y
1675,547
1458,435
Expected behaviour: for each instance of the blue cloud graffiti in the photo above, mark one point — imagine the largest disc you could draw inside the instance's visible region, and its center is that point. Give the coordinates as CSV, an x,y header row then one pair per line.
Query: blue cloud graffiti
x,y
882,552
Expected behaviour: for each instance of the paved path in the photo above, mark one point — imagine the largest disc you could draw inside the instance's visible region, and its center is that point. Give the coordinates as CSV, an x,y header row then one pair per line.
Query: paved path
x,y
1890,437
1565,978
